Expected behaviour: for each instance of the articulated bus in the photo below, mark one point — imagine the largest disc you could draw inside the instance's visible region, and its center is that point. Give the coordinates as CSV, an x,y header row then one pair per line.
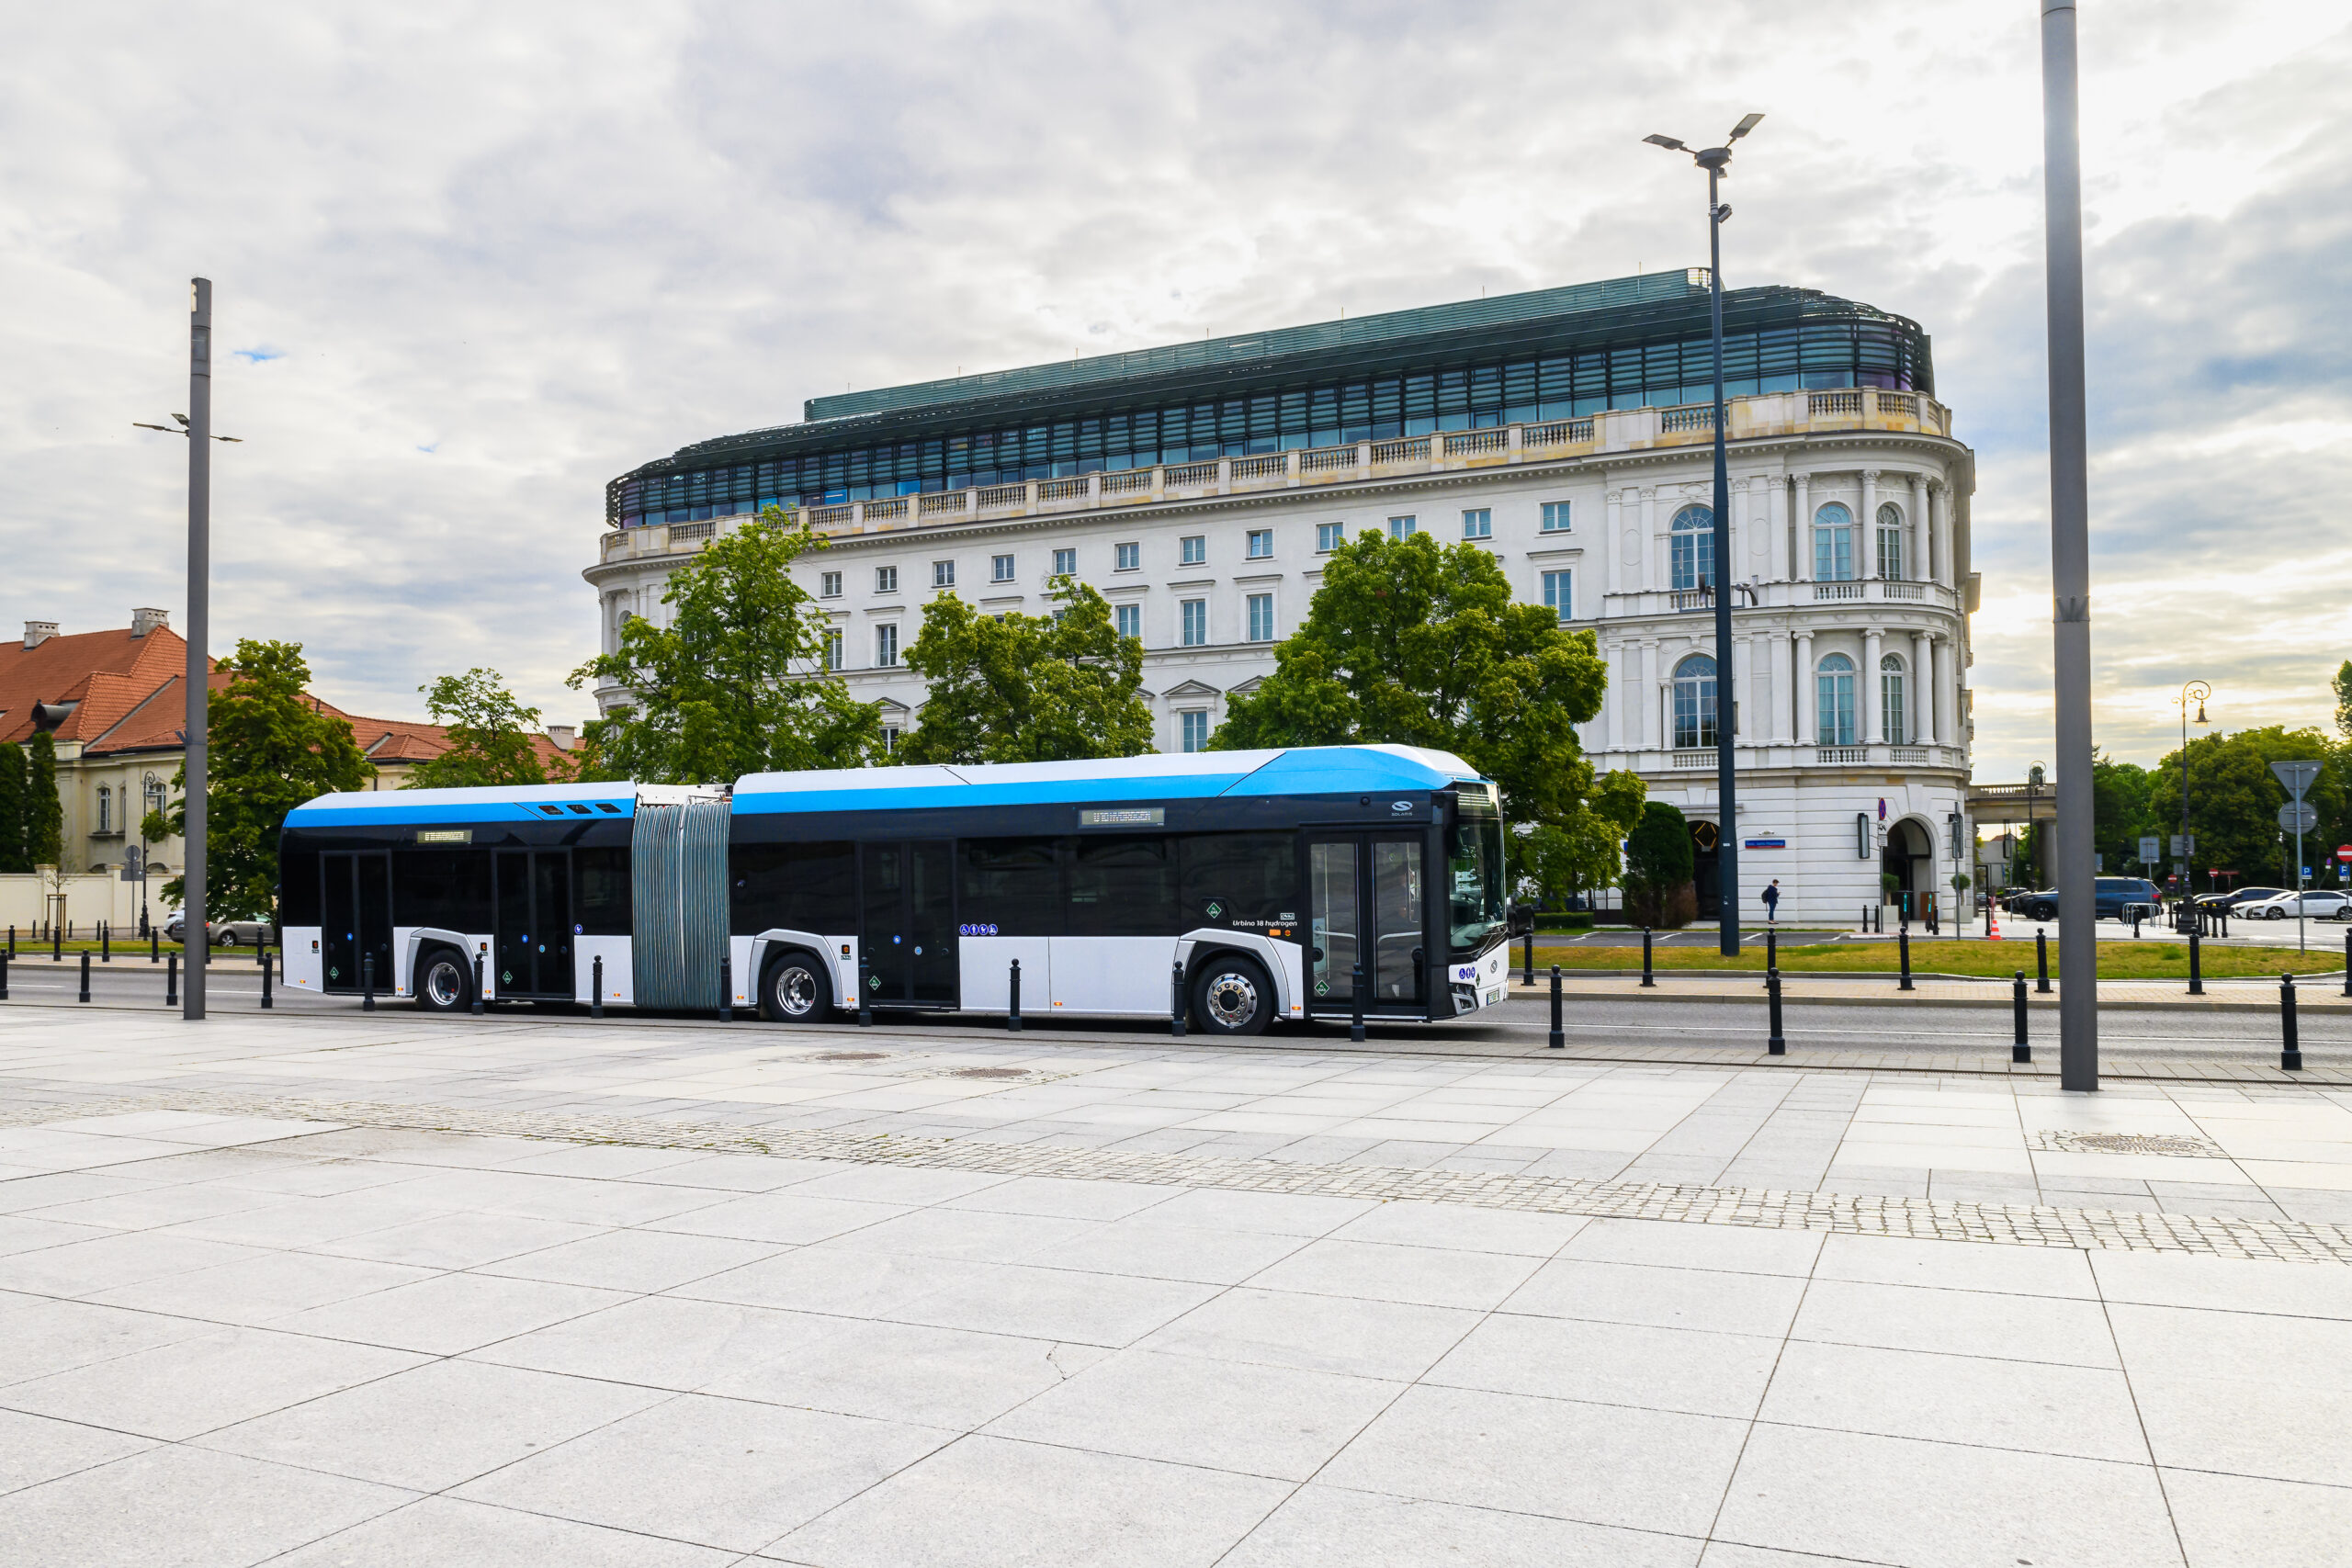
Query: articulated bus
x,y
1256,885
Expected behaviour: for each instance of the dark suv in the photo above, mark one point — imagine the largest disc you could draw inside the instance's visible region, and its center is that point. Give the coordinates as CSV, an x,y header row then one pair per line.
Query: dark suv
x,y
2111,896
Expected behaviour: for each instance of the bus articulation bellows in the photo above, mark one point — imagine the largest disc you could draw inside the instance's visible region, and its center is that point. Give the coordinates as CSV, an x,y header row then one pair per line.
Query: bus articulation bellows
x,y
1266,883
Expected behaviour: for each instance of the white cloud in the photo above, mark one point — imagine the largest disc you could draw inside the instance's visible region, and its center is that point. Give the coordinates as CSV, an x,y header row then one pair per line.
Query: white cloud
x,y
504,253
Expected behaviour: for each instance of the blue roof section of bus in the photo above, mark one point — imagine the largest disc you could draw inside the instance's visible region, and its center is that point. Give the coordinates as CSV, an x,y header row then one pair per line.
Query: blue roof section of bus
x,y
521,803
1316,770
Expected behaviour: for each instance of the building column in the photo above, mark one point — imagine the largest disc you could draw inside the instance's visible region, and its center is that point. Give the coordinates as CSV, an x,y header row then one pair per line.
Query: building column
x,y
1866,547
1784,687
1803,529
1613,700
1808,691
1653,549
1612,553
1743,692
1869,693
1940,521
1955,729
1776,528
1922,563
1923,688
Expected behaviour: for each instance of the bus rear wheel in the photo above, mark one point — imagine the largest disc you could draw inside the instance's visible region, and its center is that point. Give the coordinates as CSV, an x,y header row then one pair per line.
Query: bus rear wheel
x,y
795,989
443,982
1231,995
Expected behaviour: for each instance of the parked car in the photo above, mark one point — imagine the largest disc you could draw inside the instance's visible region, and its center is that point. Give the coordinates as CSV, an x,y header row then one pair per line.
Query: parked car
x,y
2116,895
225,933
2317,906
2236,897
2042,906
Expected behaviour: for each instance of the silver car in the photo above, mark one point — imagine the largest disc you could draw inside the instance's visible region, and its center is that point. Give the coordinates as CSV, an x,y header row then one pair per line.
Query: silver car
x,y
2317,906
225,933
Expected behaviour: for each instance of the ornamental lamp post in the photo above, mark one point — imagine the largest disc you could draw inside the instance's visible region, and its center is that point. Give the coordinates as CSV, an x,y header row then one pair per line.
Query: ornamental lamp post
x,y
1716,161
2196,691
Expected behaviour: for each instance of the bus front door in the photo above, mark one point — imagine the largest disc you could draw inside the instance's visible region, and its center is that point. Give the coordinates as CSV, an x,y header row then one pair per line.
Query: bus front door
x,y
532,942
1366,906
355,920
908,930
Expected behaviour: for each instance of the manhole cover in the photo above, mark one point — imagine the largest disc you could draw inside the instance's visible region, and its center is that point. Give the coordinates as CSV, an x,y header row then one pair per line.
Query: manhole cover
x,y
2127,1144
847,1057
992,1073
988,1075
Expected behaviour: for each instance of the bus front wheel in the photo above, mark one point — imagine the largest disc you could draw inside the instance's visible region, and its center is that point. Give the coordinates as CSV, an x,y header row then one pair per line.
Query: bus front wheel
x,y
1232,996
795,990
443,982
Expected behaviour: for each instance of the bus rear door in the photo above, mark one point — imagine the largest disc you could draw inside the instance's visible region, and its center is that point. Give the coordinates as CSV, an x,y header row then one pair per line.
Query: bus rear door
x,y
355,920
1365,898
908,931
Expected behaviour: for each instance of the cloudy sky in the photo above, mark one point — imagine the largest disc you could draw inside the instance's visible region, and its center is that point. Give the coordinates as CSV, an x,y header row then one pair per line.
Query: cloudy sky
x,y
473,261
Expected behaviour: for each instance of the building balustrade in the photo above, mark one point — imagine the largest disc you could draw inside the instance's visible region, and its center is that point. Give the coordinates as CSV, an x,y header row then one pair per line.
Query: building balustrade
x,y
1777,754
1780,595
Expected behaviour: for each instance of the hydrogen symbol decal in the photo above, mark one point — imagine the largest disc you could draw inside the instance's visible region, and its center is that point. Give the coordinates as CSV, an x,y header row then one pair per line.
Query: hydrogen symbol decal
x,y
1217,910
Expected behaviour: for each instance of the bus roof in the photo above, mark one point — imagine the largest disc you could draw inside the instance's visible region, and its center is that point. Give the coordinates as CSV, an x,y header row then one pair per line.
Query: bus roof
x,y
1303,770
499,804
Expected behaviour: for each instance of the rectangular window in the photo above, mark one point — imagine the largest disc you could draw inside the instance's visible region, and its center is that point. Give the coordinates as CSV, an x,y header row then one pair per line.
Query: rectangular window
x,y
1065,563
1196,623
1330,537
1262,617
889,739
834,649
1126,558
886,646
1555,517
1559,593
1130,620
1403,528
808,887
1123,886
829,585
1478,523
1262,544
1000,569
1889,552
1194,730
885,579
1192,549
1249,880
1015,885
943,574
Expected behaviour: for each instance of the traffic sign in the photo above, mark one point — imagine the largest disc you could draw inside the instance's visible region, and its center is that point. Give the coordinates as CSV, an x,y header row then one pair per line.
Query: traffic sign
x,y
2344,852
2151,847
2299,816
2296,776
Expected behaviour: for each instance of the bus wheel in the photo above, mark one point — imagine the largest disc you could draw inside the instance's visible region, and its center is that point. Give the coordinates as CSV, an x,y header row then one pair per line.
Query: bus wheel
x,y
1232,996
443,984
795,990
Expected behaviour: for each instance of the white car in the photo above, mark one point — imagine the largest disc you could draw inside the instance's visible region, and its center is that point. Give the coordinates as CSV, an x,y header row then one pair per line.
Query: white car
x,y
2317,906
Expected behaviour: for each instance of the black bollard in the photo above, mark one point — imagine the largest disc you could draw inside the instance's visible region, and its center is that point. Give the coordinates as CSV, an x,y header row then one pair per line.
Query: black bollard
x,y
4,977
726,990
2020,1050
367,983
1771,953
105,943
2347,964
1776,1040
1648,978
1558,1042
1355,1018
2196,966
267,1001
154,945
12,940
477,1007
2041,959
1013,991
865,992
1528,974
596,986
2291,1050
2135,922
1903,942
1176,1001
86,974
171,979
56,944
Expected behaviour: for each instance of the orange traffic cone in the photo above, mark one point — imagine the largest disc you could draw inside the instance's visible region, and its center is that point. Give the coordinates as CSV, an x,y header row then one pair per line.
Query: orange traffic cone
x,y
1992,922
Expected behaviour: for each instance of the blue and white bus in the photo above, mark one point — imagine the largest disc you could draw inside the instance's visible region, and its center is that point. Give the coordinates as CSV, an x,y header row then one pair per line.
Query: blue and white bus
x,y
1260,881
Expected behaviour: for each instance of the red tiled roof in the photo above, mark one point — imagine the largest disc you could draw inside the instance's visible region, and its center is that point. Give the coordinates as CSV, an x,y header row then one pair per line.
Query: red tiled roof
x,y
103,675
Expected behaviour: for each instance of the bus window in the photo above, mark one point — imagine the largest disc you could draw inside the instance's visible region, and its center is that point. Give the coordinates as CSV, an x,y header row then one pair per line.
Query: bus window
x,y
799,887
1015,885
600,895
1473,852
1123,888
298,882
1239,880
448,889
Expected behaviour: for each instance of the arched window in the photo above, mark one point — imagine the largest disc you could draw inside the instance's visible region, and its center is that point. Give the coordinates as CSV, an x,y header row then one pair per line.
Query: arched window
x,y
1834,688
106,809
1694,701
1833,544
1893,729
1693,547
1890,541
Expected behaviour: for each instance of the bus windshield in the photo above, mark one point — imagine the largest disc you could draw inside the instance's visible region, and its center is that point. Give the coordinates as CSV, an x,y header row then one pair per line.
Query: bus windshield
x,y
1474,853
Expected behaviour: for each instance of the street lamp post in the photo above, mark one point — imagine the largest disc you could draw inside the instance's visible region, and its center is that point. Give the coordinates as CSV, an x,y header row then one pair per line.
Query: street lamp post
x,y
1716,161
2197,692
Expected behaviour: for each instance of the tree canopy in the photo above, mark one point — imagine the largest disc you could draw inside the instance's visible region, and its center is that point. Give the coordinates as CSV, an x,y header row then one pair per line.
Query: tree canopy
x,y
1018,688
44,808
1658,867
14,855
271,750
736,683
1558,859
2234,800
491,736
1419,644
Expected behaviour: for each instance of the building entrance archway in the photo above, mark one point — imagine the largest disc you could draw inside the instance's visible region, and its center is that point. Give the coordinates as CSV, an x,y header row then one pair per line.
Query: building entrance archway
x,y
1706,869
1909,857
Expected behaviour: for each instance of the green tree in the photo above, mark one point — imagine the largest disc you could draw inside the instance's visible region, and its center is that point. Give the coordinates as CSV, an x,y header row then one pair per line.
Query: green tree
x,y
1414,643
491,736
1657,867
13,857
2234,799
2342,686
1018,688
44,807
1558,859
735,684
271,750
2119,809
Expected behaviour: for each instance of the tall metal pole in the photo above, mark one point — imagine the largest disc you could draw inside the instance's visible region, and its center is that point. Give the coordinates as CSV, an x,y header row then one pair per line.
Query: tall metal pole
x,y
1726,788
2070,552
200,690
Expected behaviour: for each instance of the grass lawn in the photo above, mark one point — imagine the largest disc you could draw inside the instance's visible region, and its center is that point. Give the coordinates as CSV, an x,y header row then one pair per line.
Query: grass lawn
x,y
2117,961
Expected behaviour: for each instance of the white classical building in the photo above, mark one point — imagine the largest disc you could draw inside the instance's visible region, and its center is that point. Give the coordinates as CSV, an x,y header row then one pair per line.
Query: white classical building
x,y
1200,487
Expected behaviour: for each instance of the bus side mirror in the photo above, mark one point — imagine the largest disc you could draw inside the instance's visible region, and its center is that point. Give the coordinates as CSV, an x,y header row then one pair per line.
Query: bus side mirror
x,y
1523,919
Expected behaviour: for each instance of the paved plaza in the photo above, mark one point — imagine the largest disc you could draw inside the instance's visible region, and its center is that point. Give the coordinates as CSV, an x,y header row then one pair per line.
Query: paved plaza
x,y
325,1287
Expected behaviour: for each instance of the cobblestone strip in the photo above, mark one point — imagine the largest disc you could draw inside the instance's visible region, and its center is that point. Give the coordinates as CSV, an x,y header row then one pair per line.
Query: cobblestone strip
x,y
1846,1214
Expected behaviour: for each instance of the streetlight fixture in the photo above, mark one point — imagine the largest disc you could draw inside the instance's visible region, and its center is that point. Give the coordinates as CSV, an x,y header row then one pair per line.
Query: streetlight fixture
x,y
2197,692
1716,161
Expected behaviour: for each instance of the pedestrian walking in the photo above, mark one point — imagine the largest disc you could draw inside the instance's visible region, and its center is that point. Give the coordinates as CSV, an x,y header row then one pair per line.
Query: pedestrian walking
x,y
1772,903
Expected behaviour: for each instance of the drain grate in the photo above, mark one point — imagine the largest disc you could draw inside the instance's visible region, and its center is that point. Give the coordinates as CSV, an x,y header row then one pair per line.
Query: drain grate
x,y
2127,1144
